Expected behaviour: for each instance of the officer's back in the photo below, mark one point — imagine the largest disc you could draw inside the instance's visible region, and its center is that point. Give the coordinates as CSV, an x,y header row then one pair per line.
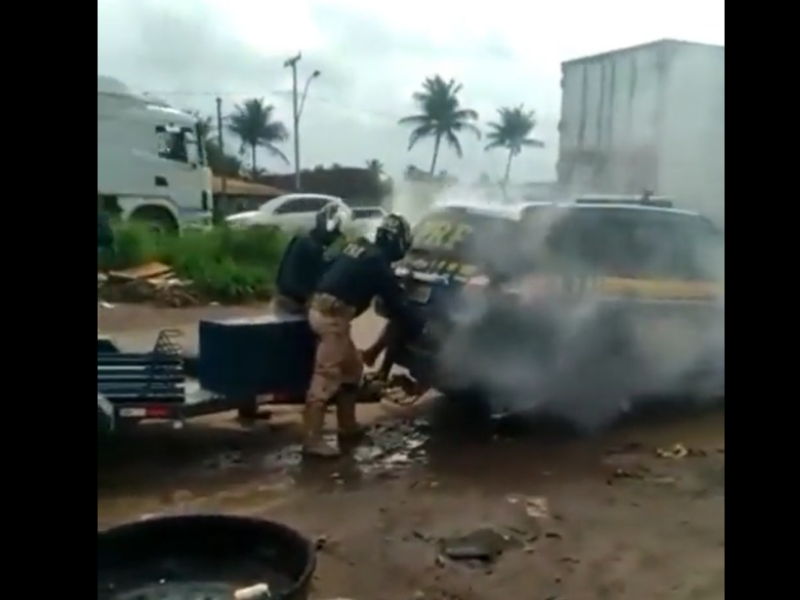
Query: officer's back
x,y
358,274
303,261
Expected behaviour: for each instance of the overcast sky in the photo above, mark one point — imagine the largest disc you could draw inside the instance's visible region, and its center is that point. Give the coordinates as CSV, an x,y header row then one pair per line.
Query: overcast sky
x,y
373,55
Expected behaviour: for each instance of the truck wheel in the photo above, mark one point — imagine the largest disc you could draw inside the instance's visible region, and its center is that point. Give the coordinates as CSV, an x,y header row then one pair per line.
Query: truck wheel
x,y
155,217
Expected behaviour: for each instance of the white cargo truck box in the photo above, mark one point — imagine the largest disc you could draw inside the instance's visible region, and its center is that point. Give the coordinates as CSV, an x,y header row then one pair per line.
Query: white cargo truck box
x,y
647,117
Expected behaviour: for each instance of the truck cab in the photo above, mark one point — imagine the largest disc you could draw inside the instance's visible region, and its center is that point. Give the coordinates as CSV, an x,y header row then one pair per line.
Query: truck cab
x,y
151,163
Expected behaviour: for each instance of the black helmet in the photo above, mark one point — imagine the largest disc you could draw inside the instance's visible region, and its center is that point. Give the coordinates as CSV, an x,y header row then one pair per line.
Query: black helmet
x,y
393,236
328,223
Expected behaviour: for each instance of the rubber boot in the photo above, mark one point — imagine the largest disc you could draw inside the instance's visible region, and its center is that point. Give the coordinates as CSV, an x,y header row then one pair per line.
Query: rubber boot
x,y
313,443
349,429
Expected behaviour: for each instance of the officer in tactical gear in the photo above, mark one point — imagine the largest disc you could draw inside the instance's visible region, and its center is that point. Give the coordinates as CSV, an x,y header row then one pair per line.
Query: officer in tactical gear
x,y
304,261
360,273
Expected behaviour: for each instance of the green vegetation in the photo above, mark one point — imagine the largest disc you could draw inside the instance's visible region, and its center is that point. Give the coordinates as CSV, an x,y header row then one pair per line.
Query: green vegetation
x,y
222,264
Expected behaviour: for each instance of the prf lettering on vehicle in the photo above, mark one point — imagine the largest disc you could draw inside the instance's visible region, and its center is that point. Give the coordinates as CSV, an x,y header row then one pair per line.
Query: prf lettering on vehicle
x,y
440,267
442,235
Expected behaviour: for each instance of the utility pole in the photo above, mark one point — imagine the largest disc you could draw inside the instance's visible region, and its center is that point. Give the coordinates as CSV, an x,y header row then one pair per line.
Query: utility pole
x,y
222,175
292,64
298,103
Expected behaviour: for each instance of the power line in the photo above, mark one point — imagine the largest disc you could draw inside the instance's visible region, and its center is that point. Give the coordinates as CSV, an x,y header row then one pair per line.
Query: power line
x,y
233,96
281,92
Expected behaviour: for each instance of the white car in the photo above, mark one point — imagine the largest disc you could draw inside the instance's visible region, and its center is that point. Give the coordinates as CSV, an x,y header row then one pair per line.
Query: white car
x,y
290,212
366,219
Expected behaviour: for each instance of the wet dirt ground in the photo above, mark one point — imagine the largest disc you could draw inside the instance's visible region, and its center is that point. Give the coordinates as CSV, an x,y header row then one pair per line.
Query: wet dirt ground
x,y
636,512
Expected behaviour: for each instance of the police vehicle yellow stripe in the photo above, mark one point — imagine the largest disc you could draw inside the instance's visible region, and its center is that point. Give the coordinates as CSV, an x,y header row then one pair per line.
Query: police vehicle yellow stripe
x,y
657,289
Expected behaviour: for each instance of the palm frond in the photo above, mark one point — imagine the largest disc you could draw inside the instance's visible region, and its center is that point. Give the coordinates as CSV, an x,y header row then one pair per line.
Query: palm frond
x,y
419,133
465,114
460,126
532,143
275,151
454,143
414,120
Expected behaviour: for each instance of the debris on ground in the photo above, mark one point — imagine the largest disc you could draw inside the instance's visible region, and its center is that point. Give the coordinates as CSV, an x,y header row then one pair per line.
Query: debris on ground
x,y
152,282
679,451
638,472
535,507
676,451
479,548
398,389
225,460
321,542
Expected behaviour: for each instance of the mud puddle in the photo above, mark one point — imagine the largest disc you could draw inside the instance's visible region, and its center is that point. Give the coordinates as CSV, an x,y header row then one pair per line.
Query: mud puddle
x,y
244,472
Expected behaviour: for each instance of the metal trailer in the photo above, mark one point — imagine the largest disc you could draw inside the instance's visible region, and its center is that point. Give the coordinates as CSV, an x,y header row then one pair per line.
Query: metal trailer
x,y
153,385
242,364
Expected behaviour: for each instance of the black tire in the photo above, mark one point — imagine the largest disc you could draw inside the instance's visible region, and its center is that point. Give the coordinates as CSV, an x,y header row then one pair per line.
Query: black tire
x,y
156,217
462,413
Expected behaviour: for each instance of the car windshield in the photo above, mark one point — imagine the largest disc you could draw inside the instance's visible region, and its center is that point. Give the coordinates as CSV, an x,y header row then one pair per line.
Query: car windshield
x,y
463,236
627,243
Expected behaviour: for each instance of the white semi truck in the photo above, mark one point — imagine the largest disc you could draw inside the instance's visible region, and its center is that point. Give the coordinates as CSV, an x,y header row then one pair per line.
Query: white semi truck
x,y
650,117
151,163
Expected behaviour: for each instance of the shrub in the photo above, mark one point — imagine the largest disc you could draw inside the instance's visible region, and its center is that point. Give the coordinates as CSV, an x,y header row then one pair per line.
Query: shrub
x,y
134,244
223,264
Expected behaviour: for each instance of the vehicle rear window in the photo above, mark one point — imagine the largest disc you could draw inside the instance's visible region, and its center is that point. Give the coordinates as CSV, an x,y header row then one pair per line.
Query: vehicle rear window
x,y
626,243
463,236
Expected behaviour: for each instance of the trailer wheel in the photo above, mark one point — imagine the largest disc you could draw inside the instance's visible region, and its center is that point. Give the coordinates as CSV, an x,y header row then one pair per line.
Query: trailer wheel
x,y
157,218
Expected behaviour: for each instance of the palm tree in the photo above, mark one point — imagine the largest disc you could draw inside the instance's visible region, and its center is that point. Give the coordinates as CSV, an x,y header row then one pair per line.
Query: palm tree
x,y
205,128
219,162
441,116
254,123
512,132
375,166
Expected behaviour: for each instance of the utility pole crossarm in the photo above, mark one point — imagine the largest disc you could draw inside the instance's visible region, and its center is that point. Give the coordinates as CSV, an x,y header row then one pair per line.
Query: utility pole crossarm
x,y
298,103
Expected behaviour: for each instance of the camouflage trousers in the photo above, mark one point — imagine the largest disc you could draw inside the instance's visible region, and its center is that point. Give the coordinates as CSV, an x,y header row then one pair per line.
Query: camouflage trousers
x,y
337,360
283,305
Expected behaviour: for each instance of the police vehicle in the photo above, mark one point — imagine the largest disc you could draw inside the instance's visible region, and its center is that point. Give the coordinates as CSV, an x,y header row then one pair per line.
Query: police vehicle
x,y
587,304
